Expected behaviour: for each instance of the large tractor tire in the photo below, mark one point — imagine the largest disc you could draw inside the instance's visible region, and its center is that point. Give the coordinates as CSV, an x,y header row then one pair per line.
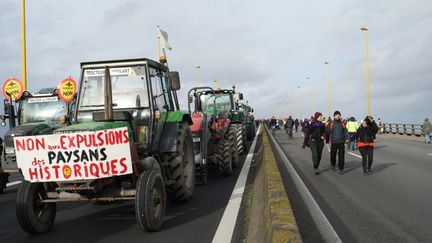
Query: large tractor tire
x,y
250,131
244,137
3,181
232,136
34,216
181,166
241,138
224,157
150,201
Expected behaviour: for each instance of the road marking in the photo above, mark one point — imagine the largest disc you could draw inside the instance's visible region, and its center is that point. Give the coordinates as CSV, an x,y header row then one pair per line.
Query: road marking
x,y
13,183
356,155
325,228
429,154
226,226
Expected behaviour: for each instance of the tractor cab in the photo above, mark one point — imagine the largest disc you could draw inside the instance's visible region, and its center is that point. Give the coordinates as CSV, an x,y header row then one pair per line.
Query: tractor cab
x,y
38,113
138,94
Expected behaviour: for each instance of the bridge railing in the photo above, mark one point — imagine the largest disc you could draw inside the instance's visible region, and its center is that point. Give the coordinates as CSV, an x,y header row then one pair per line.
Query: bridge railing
x,y
403,129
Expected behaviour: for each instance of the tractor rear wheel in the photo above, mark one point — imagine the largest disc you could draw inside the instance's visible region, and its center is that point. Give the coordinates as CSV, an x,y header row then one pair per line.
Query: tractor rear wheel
x,y
150,201
244,137
181,166
34,216
250,130
240,141
232,136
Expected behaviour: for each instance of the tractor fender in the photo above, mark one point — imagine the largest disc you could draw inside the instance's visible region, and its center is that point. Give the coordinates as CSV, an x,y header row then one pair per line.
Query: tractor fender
x,y
149,163
169,137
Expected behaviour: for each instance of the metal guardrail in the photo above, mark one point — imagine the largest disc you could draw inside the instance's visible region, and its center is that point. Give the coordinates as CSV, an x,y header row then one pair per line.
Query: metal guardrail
x,y
403,129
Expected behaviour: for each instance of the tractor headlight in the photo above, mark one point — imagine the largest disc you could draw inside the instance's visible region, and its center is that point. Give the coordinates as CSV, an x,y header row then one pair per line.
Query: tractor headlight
x,y
9,150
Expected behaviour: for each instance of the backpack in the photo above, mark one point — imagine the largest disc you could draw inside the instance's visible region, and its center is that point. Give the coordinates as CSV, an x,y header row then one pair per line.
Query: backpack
x,y
331,129
331,126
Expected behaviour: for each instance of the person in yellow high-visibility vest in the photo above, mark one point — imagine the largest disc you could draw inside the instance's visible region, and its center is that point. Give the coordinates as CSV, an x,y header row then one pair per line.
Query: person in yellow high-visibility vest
x,y
352,126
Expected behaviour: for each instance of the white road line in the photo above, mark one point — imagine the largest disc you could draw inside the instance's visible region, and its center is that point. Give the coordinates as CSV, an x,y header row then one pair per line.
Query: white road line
x,y
429,154
356,155
226,226
13,183
325,228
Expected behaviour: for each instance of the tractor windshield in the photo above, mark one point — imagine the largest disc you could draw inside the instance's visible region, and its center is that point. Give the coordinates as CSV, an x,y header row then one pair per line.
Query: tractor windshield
x,y
129,88
42,109
222,101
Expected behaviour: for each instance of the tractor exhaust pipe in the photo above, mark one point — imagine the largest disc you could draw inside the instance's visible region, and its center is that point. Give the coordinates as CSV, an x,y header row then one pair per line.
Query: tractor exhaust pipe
x,y
108,96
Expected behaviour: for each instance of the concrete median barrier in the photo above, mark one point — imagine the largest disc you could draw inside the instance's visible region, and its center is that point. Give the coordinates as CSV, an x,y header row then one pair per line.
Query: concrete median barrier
x,y
272,218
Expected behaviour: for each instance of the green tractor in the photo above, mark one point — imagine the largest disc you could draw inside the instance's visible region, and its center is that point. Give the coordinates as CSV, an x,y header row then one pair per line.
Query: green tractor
x,y
38,113
249,120
130,103
237,116
215,129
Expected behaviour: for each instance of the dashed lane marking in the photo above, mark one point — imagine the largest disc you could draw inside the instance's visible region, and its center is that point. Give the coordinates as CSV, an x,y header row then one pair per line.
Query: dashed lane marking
x,y
356,155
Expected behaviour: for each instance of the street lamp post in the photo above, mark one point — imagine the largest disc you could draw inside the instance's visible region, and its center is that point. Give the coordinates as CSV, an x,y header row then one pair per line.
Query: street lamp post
x,y
23,47
367,69
328,90
197,74
308,97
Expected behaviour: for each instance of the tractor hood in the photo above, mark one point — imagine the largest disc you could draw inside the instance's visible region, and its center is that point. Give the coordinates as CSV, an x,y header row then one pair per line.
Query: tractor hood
x,y
29,129
95,126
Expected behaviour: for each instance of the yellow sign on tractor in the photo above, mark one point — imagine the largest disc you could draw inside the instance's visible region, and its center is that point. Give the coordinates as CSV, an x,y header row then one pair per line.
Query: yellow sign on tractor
x,y
12,89
67,89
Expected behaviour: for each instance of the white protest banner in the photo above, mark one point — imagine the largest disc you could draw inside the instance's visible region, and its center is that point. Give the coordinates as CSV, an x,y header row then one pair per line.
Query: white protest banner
x,y
74,156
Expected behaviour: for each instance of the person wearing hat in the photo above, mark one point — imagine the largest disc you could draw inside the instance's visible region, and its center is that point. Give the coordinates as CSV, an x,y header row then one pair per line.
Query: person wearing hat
x,y
336,136
365,135
314,139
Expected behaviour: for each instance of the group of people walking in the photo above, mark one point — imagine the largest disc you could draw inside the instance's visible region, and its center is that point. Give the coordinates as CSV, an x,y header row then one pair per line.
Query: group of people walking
x,y
336,134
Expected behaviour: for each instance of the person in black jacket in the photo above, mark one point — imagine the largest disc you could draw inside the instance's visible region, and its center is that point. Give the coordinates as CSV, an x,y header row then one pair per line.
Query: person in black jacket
x,y
314,139
336,136
366,135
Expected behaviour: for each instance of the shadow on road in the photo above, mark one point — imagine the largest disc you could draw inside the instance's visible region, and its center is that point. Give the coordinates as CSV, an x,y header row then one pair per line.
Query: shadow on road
x,y
382,166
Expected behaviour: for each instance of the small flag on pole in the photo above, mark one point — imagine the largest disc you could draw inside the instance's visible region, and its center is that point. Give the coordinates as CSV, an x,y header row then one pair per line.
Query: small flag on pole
x,y
164,39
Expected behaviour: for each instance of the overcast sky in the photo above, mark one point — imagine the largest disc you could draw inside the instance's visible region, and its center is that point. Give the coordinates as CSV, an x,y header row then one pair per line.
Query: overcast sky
x,y
267,48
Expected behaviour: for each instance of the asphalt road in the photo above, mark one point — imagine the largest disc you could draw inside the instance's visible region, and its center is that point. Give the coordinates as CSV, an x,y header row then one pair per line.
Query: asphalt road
x,y
193,221
392,205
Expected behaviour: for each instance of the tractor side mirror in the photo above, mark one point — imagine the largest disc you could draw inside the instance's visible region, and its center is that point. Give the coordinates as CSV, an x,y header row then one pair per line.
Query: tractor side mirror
x,y
174,80
3,118
240,96
7,107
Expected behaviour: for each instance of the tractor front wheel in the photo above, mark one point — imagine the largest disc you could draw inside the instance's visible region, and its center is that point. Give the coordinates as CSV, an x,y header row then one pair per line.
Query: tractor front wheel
x,y
34,216
150,201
